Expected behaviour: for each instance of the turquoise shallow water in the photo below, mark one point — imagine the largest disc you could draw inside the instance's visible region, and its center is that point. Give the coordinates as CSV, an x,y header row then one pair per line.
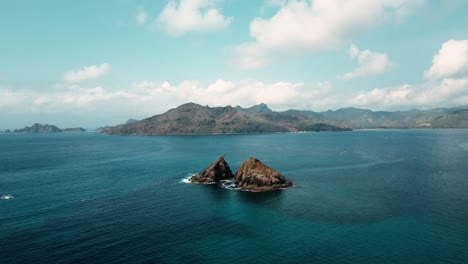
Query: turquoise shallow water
x,y
385,196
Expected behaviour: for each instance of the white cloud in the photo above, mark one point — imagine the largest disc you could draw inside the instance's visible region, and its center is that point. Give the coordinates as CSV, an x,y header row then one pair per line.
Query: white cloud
x,y
446,84
452,60
446,93
146,98
142,17
279,95
370,63
302,26
87,73
179,18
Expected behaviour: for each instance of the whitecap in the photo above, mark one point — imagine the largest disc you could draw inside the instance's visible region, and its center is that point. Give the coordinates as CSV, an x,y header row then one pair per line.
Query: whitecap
x,y
228,184
186,179
7,197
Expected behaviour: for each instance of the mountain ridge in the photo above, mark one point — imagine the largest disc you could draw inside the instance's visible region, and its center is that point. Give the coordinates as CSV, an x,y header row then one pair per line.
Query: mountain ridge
x,y
191,118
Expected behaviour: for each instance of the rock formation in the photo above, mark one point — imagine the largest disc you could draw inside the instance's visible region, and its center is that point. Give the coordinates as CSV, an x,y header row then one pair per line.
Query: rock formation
x,y
218,170
255,176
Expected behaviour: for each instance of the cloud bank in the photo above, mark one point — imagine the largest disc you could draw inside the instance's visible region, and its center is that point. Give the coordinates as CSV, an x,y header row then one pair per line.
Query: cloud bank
x,y
148,98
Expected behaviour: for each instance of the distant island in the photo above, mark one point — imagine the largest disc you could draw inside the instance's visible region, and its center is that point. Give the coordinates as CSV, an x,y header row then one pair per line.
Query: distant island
x,y
192,118
39,128
195,119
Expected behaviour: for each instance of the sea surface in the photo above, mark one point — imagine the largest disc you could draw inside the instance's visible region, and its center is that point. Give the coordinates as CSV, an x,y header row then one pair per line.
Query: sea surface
x,y
375,196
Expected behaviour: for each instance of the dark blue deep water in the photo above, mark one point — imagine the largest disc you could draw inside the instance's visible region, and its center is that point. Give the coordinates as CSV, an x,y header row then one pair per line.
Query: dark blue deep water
x,y
388,196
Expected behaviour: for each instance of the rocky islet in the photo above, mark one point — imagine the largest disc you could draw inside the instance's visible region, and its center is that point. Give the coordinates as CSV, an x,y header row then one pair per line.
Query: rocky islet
x,y
253,176
218,170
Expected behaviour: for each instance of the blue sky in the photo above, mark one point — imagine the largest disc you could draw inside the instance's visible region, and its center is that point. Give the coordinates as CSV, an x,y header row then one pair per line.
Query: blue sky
x,y
90,63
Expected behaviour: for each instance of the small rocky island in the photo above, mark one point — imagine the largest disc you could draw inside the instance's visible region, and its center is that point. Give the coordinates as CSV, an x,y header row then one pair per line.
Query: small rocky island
x,y
218,170
256,176
252,176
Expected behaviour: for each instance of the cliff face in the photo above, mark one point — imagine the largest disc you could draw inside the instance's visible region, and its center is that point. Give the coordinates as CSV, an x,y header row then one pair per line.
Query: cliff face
x,y
255,176
218,170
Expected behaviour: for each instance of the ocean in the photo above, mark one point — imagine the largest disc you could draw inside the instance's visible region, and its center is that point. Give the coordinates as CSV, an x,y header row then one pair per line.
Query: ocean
x,y
369,196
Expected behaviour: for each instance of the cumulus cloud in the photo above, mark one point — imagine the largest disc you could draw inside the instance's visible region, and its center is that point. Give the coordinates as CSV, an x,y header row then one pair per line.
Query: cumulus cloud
x,y
301,26
370,63
142,17
445,85
179,18
447,93
87,73
146,98
452,60
279,95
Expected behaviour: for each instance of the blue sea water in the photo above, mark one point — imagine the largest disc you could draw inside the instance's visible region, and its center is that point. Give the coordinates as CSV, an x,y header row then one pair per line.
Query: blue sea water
x,y
383,196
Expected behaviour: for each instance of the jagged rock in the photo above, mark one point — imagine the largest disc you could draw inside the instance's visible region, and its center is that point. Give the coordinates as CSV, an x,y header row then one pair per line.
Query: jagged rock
x,y
218,170
255,176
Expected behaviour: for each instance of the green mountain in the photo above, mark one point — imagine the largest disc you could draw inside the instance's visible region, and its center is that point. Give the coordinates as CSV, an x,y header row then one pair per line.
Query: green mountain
x,y
456,119
363,118
196,119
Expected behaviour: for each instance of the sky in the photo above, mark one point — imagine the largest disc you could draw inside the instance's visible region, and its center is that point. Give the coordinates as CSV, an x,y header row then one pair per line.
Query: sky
x,y
93,63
